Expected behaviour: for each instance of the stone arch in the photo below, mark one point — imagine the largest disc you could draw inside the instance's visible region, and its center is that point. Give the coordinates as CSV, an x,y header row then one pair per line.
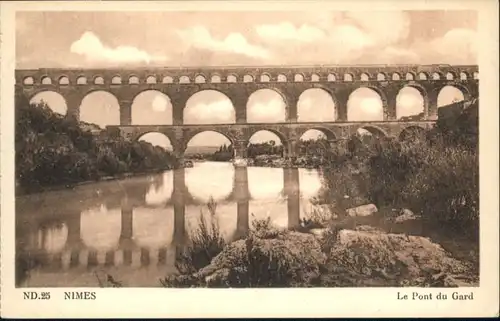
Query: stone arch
x,y
445,92
348,77
364,76
81,80
436,76
103,111
411,102
159,111
309,105
29,81
256,110
151,79
215,79
331,77
216,104
248,78
464,75
116,80
422,76
298,77
162,139
396,76
450,75
330,135
46,80
232,78
412,133
200,79
282,137
282,78
315,77
324,138
409,76
265,77
63,80
55,101
167,80
381,76
184,80
366,104
98,80
193,133
133,80
374,130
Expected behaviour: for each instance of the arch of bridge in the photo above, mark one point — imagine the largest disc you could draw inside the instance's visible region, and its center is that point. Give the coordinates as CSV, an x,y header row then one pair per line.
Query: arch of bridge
x,y
240,91
331,134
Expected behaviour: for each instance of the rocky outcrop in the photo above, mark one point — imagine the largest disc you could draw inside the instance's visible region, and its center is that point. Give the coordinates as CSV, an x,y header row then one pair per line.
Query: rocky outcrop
x,y
333,257
363,210
286,259
367,257
405,215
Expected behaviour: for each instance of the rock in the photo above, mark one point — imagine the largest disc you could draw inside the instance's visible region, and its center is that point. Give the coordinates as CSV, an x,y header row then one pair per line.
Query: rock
x,y
408,258
363,210
240,162
290,259
323,211
318,231
367,228
405,215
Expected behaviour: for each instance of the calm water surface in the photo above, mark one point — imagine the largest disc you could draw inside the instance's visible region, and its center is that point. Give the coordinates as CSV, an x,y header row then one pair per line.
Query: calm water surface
x,y
133,228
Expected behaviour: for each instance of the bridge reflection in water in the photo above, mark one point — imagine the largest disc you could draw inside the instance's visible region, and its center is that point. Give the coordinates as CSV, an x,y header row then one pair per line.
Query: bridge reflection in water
x,y
144,222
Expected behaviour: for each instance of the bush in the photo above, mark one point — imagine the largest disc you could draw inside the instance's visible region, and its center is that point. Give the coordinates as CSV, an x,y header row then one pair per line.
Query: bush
x,y
268,257
204,244
53,150
436,175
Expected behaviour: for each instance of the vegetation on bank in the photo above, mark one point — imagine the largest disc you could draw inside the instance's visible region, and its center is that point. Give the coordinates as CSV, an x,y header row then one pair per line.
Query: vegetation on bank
x,y
435,175
53,150
341,257
267,153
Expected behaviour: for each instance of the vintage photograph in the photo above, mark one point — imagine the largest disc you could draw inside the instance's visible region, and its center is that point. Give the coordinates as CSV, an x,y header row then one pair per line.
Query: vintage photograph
x,y
247,149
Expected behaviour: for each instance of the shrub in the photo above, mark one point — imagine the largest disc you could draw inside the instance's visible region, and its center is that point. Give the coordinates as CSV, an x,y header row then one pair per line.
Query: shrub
x,y
53,150
268,257
204,244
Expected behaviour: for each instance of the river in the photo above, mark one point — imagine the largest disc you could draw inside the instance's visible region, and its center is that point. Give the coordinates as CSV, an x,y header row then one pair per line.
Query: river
x,y
133,228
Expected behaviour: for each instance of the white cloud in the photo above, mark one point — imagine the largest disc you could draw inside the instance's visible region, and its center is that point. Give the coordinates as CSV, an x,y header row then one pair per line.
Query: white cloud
x,y
288,31
200,37
457,45
382,27
397,55
91,47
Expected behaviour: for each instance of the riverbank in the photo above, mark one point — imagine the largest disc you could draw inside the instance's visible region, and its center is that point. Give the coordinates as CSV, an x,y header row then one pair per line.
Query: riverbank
x,y
43,189
356,249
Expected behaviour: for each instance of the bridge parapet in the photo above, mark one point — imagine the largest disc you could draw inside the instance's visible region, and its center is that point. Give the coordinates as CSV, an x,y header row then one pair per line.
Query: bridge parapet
x,y
230,74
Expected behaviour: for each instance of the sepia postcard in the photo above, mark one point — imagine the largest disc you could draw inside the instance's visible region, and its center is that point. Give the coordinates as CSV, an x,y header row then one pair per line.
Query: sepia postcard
x,y
249,159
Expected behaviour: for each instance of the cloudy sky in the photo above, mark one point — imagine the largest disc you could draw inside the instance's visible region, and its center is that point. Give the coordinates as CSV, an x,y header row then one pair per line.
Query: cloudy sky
x,y
98,39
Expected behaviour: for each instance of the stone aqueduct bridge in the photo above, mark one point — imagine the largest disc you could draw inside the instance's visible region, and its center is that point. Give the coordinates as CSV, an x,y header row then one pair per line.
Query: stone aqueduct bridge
x,y
238,83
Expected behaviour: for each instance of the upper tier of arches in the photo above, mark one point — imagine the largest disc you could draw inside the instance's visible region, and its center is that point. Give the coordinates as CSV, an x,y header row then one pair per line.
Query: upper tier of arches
x,y
313,104
258,75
